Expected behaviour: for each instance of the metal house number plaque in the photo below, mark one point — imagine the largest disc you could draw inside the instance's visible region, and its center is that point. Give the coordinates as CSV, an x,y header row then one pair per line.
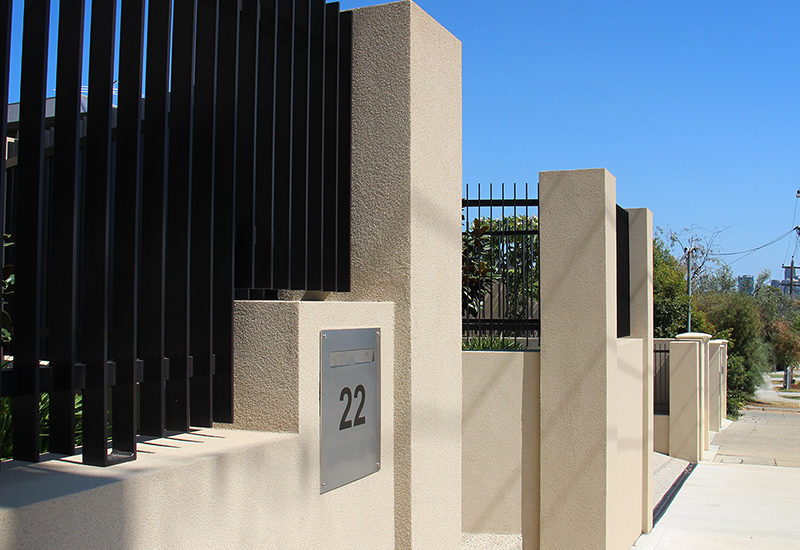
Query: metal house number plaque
x,y
349,406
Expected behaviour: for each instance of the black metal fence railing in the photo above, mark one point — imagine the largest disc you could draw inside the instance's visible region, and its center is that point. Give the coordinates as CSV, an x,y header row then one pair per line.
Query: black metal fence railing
x,y
500,263
660,377
134,220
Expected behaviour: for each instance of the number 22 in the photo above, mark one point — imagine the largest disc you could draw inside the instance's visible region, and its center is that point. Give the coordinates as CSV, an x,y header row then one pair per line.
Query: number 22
x,y
345,423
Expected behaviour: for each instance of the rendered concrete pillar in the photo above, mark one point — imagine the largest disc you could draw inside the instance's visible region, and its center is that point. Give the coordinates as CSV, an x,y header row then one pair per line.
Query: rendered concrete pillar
x,y
715,384
406,248
685,403
704,384
641,262
577,212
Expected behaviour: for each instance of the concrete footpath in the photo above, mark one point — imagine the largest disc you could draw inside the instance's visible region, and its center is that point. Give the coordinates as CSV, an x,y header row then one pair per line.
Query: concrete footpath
x,y
749,496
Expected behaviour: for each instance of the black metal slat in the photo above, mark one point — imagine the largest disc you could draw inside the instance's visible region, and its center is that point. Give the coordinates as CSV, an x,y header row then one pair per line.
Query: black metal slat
x,y
202,230
245,152
331,144
623,274
265,133
281,197
5,48
345,144
126,219
316,146
177,307
151,277
62,296
299,189
96,240
224,209
28,235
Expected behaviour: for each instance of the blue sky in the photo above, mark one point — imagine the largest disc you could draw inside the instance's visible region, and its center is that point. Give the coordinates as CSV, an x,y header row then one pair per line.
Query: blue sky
x,y
693,106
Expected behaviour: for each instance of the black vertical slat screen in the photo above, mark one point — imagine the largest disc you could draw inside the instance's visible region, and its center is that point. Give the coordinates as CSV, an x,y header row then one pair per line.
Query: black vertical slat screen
x,y
62,319
224,204
151,287
28,237
330,181
202,216
283,145
316,146
5,48
623,274
125,289
140,218
299,179
96,199
245,157
344,151
177,308
265,128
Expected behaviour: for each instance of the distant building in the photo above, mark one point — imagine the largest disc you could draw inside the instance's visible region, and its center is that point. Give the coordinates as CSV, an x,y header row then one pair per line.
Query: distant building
x,y
776,283
745,284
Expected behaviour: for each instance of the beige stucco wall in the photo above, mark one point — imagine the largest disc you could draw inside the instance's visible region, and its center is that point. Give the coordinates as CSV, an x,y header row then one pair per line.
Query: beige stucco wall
x,y
406,246
641,273
592,436
500,419
661,433
715,384
685,403
225,488
626,490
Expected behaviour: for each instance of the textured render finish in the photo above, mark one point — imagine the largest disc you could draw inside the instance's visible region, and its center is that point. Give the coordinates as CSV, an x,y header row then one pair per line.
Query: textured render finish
x,y
436,179
211,488
704,339
500,419
685,414
661,435
641,262
406,234
577,215
625,519
223,488
265,348
715,368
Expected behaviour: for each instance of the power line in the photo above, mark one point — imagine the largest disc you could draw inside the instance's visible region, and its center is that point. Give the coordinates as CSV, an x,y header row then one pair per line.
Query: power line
x,y
751,250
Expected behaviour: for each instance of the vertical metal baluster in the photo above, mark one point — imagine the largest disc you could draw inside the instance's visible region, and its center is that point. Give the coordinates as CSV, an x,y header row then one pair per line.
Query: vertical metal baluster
x,y
245,153
94,340
179,195
224,209
299,181
27,294
64,218
265,132
202,216
151,289
316,146
331,160
127,189
345,145
5,48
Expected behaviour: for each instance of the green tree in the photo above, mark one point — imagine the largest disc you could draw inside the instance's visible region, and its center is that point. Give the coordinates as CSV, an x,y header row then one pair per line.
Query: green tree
x,y
670,298
737,319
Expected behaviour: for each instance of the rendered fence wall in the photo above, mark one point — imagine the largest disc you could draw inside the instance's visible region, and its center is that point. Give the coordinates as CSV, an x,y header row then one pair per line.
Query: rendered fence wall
x,y
500,450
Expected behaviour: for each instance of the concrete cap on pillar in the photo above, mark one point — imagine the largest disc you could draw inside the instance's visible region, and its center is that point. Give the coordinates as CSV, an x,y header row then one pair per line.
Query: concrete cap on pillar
x,y
718,341
694,336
